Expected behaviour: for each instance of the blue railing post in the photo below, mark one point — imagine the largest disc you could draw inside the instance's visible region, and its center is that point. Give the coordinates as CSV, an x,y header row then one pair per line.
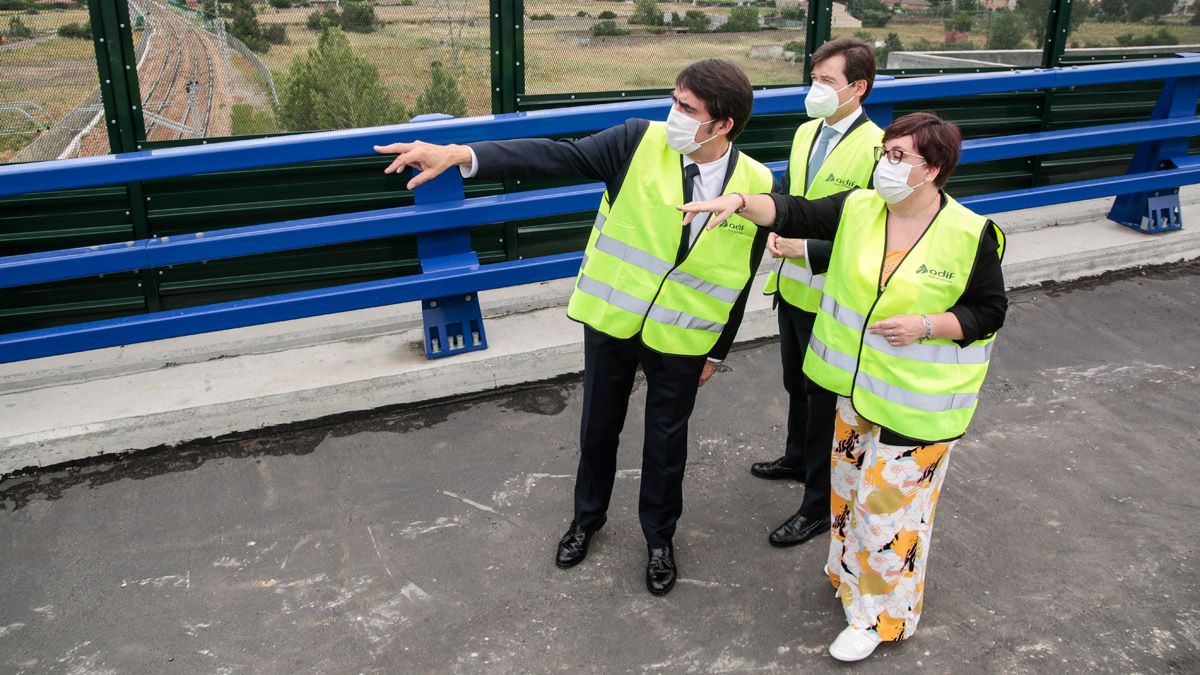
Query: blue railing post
x,y
1159,211
880,113
453,323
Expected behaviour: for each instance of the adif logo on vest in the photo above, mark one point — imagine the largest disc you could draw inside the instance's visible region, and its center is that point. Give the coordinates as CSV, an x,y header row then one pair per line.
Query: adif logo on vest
x,y
940,274
844,182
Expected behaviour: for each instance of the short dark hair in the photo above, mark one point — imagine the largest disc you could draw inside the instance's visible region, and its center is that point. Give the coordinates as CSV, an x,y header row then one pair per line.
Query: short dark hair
x,y
937,140
860,59
723,87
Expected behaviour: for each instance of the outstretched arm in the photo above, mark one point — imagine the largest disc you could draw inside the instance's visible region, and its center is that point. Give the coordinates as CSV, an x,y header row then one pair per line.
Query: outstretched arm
x,y
786,215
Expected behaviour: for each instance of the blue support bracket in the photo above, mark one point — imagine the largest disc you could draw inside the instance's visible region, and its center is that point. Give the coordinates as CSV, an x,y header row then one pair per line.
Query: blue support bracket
x,y
453,323
1144,211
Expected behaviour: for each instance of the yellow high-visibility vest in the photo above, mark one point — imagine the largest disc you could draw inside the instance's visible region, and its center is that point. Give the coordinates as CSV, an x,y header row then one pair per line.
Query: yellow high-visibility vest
x,y
629,282
848,166
924,390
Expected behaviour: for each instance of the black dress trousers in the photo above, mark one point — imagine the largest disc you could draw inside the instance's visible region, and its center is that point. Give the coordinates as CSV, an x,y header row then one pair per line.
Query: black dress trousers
x,y
811,412
671,384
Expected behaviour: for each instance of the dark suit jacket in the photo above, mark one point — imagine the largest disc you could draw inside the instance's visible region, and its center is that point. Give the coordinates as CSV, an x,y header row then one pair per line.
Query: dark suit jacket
x,y
604,156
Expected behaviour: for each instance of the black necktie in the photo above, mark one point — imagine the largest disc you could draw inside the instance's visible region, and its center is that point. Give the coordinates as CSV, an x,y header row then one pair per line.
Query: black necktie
x,y
689,182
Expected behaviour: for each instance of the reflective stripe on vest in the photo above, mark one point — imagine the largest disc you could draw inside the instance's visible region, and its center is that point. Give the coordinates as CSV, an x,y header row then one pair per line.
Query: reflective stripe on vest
x,y
847,166
628,282
923,390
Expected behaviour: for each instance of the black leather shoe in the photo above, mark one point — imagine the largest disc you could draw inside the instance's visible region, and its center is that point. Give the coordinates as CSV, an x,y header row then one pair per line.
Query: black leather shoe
x,y
797,530
777,469
573,546
660,570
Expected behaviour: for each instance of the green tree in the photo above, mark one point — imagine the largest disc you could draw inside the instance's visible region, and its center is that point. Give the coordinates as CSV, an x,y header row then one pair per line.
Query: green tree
x,y
891,44
1195,20
280,4
358,17
246,28
1006,31
960,23
696,21
1139,10
968,6
1036,14
875,19
321,19
331,88
741,20
211,9
645,12
1111,10
441,95
276,34
607,27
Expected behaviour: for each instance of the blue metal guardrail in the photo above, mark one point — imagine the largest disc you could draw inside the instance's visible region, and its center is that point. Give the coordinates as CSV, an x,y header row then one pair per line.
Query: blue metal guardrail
x,y
451,274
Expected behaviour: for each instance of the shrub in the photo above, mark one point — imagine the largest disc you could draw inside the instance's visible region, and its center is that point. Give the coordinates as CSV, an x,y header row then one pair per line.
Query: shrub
x,y
276,34
741,20
1162,37
358,17
17,29
75,30
606,15
321,19
605,28
874,19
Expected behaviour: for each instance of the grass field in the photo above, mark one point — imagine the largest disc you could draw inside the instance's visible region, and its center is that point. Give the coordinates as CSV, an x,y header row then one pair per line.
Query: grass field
x,y
55,73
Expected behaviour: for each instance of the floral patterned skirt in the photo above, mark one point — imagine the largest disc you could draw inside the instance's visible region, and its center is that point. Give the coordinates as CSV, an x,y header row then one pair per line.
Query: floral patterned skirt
x,y
882,505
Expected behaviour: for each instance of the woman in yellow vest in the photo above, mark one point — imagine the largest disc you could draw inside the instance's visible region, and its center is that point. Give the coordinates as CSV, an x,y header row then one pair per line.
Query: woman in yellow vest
x,y
913,299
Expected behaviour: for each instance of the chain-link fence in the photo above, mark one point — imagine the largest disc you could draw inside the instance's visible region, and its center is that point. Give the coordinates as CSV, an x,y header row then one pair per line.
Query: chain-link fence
x,y
949,35
585,46
317,64
49,93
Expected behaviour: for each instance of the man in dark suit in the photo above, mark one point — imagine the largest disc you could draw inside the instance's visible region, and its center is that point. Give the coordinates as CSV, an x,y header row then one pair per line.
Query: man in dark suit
x,y
651,292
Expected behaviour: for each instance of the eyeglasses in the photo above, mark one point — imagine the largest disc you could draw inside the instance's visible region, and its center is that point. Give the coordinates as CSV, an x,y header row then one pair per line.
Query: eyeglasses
x,y
894,155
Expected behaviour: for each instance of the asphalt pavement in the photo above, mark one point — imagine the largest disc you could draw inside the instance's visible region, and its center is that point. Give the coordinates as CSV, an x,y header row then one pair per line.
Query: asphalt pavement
x,y
420,538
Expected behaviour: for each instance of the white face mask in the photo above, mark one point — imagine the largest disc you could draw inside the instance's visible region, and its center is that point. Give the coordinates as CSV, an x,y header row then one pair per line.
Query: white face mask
x,y
822,100
891,180
681,132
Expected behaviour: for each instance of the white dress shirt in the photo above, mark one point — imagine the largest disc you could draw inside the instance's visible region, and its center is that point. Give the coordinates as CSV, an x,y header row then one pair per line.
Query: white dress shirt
x,y
707,185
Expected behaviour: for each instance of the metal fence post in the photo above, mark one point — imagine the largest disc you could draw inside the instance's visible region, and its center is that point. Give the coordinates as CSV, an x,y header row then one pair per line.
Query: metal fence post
x,y
1158,211
508,54
453,324
117,68
820,29
1058,28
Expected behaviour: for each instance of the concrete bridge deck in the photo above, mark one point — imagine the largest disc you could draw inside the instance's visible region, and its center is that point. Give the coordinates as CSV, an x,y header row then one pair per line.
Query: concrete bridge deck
x,y
419,539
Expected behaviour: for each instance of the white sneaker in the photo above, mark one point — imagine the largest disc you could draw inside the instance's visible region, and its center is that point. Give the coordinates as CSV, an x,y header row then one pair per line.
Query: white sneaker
x,y
853,644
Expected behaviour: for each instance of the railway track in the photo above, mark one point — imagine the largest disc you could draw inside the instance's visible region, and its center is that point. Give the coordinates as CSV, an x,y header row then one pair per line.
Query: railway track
x,y
182,88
